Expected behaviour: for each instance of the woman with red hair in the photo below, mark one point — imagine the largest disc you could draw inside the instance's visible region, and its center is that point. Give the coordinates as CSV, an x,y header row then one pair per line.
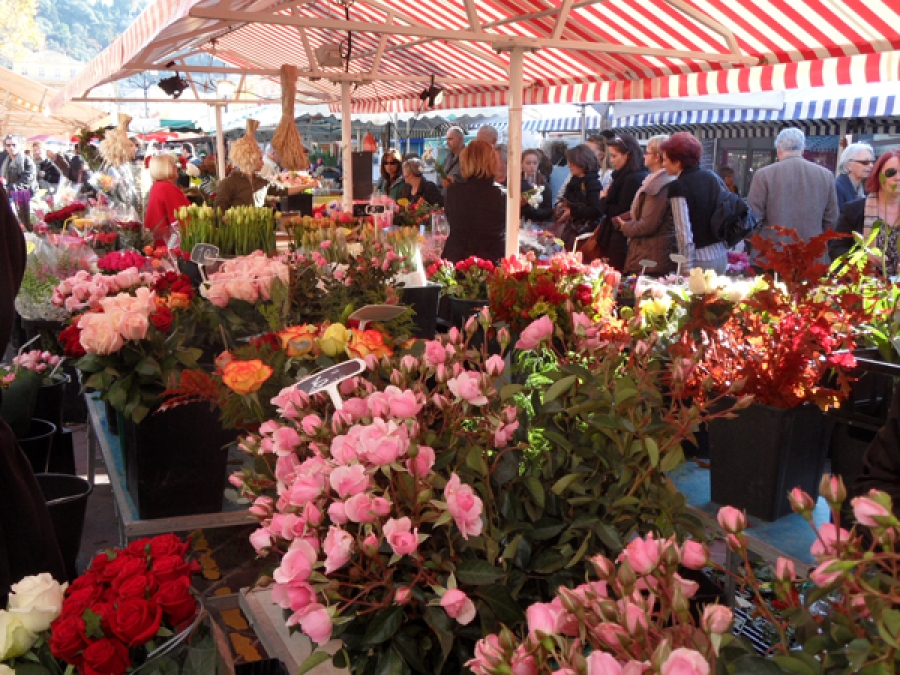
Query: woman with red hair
x,y
879,210
693,198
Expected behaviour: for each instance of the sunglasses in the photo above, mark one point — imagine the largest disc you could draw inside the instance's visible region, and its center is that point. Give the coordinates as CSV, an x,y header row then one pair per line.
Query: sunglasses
x,y
890,173
393,161
864,162
10,145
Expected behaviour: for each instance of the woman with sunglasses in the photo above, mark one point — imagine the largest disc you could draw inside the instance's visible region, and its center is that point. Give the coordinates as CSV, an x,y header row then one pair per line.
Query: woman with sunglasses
x,y
879,211
855,166
391,182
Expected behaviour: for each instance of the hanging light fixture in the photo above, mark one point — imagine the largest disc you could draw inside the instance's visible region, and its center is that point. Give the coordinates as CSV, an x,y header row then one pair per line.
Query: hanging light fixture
x,y
225,89
173,86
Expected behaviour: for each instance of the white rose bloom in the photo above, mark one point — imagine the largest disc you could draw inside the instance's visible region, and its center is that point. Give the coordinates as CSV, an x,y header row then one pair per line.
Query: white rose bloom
x,y
6,670
37,600
697,282
15,639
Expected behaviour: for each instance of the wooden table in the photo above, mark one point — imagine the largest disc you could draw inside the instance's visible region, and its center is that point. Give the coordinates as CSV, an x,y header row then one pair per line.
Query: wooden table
x,y
130,525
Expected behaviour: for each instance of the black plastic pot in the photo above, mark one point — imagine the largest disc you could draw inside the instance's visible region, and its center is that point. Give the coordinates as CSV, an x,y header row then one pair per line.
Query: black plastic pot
x,y
424,301
461,310
50,402
67,498
37,444
763,453
176,461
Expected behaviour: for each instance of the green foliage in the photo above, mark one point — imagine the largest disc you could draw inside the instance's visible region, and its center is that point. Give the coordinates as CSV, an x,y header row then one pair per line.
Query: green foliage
x,y
82,29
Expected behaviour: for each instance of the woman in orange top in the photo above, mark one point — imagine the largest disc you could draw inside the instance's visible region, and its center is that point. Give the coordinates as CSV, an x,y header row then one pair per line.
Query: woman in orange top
x,y
165,198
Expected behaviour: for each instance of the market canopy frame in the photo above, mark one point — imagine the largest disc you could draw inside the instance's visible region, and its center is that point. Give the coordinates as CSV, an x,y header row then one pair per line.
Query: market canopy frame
x,y
510,52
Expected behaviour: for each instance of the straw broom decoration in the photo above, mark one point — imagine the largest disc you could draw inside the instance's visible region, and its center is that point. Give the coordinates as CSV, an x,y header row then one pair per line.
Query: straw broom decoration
x,y
245,153
287,141
116,148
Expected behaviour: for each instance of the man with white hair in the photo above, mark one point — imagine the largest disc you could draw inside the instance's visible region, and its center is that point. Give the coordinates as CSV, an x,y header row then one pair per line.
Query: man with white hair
x,y
488,134
456,143
793,193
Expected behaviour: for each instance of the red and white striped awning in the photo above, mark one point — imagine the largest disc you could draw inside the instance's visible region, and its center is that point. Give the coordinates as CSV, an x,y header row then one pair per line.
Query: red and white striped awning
x,y
577,50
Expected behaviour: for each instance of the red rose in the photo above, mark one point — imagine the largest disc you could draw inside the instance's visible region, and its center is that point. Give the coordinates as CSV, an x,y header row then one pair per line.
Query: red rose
x,y
138,586
100,561
170,567
124,565
67,638
139,546
106,611
70,339
183,285
106,657
176,600
82,598
136,621
162,319
86,580
167,544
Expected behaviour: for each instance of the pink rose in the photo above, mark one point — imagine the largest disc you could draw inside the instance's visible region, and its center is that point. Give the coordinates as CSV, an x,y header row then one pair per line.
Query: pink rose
x,y
402,595
504,434
642,554
337,513
784,570
488,656
494,365
311,424
467,386
716,619
800,501
315,621
464,505
358,509
356,407
337,546
635,668
731,519
693,555
99,335
261,539
421,465
867,510
522,662
403,404
349,480
383,442
829,539
435,354
688,588
402,539
535,333
458,606
284,441
304,489
824,575
543,617
379,404
635,618
683,661
602,663
294,597
297,563
344,450
612,635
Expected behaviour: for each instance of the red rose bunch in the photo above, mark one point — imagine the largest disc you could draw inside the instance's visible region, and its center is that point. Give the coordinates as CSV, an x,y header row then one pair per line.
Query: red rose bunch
x,y
116,261
104,238
466,279
62,215
70,339
125,599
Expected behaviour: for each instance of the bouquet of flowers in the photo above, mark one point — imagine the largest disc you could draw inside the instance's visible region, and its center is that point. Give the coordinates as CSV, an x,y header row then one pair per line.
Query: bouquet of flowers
x,y
296,179
47,264
43,363
35,603
414,214
523,289
467,279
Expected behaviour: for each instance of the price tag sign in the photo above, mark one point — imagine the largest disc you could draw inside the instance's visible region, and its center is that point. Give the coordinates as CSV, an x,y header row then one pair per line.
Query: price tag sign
x,y
371,313
329,379
204,254
645,263
680,259
29,247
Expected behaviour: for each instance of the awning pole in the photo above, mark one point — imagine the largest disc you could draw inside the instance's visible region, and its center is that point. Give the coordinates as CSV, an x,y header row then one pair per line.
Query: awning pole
x,y
220,143
346,147
583,122
514,152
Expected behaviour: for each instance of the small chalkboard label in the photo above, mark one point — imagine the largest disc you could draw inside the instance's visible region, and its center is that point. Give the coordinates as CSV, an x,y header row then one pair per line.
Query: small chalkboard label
x,y
680,259
204,254
371,313
329,379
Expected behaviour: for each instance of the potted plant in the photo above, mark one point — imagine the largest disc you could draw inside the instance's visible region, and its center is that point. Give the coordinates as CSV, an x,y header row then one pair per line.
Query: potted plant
x,y
464,284
778,344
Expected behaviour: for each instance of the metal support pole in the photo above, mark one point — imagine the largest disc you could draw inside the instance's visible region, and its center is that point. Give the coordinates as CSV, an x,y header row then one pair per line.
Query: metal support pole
x,y
220,143
583,122
346,147
514,163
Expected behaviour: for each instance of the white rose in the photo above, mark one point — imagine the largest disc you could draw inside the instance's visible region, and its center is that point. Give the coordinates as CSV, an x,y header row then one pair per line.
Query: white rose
x,y
737,291
697,282
37,600
15,639
6,670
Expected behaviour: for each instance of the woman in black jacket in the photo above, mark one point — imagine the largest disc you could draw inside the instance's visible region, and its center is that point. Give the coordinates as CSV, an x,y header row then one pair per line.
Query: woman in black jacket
x,y
533,178
579,209
418,188
628,175
476,208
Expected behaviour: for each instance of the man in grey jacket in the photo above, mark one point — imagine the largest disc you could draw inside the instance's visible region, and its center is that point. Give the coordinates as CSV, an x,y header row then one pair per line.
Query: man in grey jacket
x,y
793,193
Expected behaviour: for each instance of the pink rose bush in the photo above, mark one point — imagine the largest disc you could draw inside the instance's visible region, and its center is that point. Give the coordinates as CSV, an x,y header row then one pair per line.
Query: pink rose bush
x,y
248,278
84,291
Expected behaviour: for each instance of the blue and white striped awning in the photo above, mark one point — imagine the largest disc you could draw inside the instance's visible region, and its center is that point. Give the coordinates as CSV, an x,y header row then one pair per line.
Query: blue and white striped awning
x,y
551,124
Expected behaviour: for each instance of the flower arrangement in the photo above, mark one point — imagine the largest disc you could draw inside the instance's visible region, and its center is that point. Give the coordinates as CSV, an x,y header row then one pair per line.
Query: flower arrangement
x,y
34,604
58,218
129,602
47,264
241,230
42,362
119,261
247,278
296,179
523,289
415,214
467,279
137,342
84,291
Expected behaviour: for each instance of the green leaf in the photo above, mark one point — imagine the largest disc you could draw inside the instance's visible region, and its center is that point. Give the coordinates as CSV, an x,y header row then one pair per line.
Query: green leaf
x,y
560,486
546,529
558,439
442,627
92,624
652,451
478,572
756,665
672,459
383,626
509,390
312,661
149,367
536,489
475,461
410,649
789,664
500,600
390,663
117,396
559,387
889,626
579,554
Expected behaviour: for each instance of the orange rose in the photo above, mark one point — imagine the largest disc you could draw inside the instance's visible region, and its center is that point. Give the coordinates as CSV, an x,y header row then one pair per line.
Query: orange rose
x,y
365,342
298,340
246,377
178,301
